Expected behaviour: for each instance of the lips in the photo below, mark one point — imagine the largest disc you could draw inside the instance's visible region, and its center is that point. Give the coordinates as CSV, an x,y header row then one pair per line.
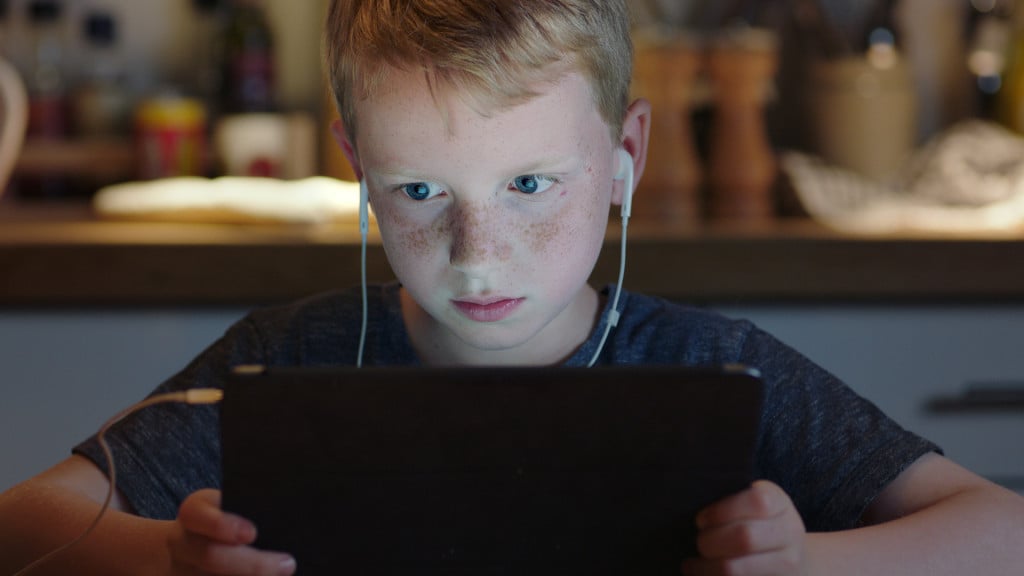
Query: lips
x,y
491,310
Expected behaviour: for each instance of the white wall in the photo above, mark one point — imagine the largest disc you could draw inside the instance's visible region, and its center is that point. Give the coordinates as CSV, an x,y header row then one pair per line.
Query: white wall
x,y
902,357
64,373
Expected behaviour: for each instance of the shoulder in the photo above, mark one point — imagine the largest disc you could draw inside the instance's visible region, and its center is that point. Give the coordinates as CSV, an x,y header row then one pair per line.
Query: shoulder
x,y
658,330
314,328
324,309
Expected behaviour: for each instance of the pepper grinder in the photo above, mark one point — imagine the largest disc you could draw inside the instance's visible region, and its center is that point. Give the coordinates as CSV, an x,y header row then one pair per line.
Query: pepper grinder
x,y
664,73
741,66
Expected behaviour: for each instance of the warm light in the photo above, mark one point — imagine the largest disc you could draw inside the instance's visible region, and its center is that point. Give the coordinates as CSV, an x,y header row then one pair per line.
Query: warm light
x,y
882,48
882,56
986,63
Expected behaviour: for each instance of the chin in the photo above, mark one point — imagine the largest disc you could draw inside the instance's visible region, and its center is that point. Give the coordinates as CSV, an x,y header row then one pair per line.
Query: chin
x,y
495,338
524,342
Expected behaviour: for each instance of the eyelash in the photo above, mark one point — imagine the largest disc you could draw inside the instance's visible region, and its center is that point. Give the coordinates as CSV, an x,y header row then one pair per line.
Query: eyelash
x,y
403,188
541,178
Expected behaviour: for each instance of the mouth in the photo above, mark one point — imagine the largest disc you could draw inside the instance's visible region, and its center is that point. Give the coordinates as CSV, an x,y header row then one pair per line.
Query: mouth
x,y
490,310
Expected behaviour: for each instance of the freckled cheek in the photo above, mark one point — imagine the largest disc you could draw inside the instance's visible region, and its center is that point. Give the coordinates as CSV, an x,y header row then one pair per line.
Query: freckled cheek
x,y
559,235
412,242
404,238
554,237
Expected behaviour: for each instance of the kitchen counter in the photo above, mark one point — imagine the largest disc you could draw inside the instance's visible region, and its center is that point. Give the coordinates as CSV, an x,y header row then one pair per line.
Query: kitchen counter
x,y
62,255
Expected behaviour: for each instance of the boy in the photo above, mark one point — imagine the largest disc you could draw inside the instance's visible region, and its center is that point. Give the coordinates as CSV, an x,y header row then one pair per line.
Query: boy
x,y
487,134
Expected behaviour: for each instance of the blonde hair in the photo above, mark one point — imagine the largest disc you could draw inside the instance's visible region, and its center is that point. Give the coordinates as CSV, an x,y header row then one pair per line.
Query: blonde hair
x,y
494,52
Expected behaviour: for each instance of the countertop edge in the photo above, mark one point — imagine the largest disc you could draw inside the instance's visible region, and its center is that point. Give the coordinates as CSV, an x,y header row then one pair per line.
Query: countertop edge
x,y
697,268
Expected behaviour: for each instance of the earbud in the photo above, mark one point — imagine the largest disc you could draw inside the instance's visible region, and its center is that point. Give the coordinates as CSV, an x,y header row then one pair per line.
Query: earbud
x,y
625,173
364,200
364,227
625,163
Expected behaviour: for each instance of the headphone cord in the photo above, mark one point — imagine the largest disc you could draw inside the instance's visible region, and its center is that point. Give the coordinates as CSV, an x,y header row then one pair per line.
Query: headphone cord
x,y
364,227
613,311
625,173
191,396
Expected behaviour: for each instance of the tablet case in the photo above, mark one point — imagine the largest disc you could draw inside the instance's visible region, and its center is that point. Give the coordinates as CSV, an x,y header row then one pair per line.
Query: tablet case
x,y
485,471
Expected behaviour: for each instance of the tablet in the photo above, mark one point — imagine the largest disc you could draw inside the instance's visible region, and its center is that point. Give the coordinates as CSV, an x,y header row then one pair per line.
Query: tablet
x,y
485,471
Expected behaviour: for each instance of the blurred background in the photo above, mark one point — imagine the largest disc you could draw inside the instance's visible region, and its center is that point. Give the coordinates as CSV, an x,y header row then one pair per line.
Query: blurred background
x,y
124,90
103,75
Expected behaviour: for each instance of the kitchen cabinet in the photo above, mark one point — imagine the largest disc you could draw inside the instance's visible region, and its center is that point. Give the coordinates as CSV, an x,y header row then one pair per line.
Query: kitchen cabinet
x,y
905,357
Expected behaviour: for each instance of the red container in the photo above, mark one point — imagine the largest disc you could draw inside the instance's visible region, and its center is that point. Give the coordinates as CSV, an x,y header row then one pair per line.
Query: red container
x,y
171,134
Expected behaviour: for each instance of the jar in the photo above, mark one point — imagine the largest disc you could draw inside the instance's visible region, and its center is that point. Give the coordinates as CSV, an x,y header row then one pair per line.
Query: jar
x,y
171,134
864,114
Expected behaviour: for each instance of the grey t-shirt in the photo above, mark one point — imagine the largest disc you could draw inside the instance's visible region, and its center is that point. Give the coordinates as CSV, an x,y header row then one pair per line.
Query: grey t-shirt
x,y
831,450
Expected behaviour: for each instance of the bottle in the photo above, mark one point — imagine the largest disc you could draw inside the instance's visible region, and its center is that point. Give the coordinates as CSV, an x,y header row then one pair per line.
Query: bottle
x,y
48,115
990,29
934,43
1010,99
5,12
102,106
208,53
248,61
48,110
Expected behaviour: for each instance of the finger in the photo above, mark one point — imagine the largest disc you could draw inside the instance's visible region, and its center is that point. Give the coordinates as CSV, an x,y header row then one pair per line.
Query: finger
x,y
209,557
745,537
201,514
762,500
784,561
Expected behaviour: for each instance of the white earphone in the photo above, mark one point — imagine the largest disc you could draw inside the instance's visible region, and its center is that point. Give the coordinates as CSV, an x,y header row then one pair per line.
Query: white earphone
x,y
364,228
364,211
625,174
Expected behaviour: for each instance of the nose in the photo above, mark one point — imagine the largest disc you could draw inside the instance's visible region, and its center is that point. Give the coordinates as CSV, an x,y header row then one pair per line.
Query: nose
x,y
477,240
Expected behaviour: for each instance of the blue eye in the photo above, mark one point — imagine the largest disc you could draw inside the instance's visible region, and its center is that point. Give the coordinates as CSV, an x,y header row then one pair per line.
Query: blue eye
x,y
421,190
532,183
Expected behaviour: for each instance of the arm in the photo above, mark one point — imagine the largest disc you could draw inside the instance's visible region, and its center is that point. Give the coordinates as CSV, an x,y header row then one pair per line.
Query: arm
x,y
52,509
55,507
936,518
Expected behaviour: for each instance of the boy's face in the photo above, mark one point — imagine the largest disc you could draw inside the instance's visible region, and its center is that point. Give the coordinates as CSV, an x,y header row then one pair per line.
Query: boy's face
x,y
492,224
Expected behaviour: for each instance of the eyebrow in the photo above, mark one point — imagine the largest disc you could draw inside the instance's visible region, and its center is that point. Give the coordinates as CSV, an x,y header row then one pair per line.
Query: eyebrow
x,y
557,165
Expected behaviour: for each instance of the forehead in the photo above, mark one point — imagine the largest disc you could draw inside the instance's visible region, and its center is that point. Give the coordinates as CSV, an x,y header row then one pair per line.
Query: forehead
x,y
408,119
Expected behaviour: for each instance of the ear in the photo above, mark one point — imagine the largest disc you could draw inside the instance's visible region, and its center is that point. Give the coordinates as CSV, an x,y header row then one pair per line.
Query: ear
x,y
636,131
343,141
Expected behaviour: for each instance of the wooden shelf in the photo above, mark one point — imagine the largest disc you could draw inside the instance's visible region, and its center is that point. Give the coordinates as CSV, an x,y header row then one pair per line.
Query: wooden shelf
x,y
102,159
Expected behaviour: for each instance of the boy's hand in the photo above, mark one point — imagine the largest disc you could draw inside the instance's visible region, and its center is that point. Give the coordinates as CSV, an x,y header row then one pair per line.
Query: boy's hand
x,y
757,531
207,540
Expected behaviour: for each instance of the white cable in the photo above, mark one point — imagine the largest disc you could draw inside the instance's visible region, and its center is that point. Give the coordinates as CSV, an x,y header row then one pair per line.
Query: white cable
x,y
626,172
364,227
191,396
613,311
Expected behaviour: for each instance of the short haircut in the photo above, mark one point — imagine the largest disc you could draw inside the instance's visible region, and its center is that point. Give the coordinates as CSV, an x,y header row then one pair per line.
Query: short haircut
x,y
495,52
